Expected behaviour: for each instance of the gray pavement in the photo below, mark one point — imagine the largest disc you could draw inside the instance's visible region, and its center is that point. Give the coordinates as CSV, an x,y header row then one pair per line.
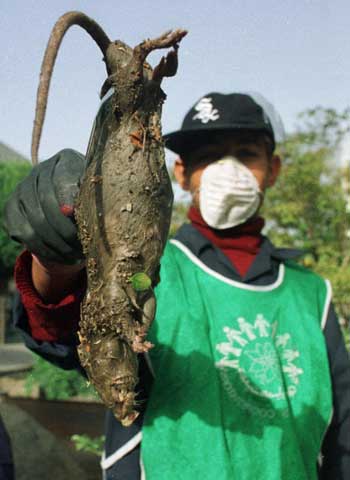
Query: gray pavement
x,y
14,357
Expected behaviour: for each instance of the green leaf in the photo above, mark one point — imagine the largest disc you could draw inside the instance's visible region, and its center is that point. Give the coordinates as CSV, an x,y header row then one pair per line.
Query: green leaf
x,y
141,281
88,444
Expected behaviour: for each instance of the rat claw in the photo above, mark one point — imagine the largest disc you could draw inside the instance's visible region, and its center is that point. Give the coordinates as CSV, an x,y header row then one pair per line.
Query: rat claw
x,y
167,66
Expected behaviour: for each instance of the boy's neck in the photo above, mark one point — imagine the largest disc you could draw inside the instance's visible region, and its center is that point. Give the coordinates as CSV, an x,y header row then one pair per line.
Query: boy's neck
x,y
252,227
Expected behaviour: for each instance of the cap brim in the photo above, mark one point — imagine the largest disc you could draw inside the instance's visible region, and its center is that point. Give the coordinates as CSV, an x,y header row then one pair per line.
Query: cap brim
x,y
184,141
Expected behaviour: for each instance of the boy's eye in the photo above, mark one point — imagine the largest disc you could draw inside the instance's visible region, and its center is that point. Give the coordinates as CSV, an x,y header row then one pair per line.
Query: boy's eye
x,y
208,157
246,153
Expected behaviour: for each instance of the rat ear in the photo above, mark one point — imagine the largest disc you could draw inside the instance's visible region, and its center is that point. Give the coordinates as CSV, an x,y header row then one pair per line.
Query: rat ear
x,y
180,174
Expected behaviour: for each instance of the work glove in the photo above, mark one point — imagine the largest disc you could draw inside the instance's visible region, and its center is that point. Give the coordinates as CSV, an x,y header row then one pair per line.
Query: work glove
x,y
40,212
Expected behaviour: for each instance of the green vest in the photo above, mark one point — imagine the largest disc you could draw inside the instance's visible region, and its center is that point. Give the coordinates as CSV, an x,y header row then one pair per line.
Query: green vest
x,y
242,385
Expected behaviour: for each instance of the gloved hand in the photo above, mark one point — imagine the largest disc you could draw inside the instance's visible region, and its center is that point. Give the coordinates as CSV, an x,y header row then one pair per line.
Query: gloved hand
x,y
40,212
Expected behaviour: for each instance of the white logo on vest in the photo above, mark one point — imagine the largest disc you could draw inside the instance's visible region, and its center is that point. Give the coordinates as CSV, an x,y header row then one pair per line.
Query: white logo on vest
x,y
206,111
264,360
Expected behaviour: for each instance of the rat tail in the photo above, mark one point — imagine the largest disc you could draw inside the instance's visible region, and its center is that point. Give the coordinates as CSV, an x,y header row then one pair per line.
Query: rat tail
x,y
57,34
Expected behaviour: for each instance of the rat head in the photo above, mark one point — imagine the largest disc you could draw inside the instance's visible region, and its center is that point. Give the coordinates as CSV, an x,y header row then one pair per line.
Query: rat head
x,y
112,361
112,368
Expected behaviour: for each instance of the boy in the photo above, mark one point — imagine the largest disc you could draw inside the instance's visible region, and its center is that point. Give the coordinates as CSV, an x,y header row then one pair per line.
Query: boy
x,y
245,382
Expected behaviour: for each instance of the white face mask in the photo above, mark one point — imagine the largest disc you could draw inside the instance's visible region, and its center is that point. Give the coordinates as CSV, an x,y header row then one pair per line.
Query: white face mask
x,y
229,193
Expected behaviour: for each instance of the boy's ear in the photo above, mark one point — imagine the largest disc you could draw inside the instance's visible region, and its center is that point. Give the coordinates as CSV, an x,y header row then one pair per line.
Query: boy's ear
x,y
180,174
275,167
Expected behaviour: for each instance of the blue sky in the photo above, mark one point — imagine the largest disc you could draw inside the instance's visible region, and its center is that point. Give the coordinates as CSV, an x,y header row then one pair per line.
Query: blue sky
x,y
296,53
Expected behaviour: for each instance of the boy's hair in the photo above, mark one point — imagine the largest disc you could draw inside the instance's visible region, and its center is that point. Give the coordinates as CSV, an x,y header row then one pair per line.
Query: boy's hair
x,y
246,136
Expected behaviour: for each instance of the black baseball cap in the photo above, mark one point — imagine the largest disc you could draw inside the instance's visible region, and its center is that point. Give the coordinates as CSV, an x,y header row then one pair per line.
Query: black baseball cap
x,y
218,112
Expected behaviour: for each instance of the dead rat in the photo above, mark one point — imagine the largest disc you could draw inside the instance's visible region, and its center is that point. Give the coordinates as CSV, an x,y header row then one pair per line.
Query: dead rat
x,y
123,209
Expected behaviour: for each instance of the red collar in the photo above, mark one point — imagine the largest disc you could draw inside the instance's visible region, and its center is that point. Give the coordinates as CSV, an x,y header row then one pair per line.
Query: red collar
x,y
240,244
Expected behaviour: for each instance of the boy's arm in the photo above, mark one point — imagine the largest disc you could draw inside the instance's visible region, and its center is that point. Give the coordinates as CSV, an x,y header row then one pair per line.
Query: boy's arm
x,y
52,306
54,281
48,329
336,444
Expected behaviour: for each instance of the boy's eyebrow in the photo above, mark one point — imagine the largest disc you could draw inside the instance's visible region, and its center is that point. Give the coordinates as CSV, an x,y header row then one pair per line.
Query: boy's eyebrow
x,y
209,150
248,145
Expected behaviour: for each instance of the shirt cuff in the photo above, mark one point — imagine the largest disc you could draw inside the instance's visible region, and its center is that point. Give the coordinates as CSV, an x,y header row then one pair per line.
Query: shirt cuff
x,y
47,322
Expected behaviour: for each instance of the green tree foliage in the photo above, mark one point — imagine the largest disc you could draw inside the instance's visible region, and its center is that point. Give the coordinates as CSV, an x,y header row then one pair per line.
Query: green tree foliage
x,y
179,216
88,444
307,208
11,172
347,337
55,383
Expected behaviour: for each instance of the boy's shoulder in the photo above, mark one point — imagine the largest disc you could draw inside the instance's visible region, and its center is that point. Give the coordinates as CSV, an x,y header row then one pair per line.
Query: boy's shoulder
x,y
304,275
293,261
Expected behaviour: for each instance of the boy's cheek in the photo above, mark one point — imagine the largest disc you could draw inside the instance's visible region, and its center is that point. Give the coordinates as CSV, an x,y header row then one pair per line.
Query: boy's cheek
x,y
195,200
